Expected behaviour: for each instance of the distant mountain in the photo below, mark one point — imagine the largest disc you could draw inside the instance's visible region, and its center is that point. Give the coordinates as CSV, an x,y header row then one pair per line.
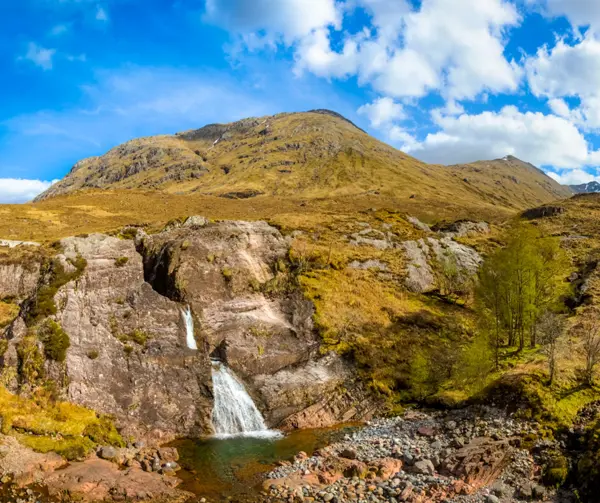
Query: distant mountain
x,y
317,154
585,188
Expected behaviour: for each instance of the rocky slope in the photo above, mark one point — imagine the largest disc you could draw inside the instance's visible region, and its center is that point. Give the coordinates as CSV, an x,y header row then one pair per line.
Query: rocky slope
x,y
120,302
586,188
312,154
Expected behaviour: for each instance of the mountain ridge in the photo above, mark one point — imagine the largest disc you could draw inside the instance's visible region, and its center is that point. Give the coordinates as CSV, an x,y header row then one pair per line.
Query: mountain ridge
x,y
306,155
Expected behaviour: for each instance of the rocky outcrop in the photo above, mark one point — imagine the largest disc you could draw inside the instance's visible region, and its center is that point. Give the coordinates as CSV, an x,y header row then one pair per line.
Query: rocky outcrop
x,y
429,258
463,228
18,281
120,304
233,275
127,355
314,395
226,273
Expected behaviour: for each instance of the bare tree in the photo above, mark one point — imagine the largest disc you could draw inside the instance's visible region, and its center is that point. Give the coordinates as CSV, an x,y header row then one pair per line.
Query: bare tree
x,y
588,330
551,328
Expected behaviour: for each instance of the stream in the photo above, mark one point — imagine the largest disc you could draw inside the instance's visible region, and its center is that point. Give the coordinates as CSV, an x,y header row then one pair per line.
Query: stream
x,y
220,468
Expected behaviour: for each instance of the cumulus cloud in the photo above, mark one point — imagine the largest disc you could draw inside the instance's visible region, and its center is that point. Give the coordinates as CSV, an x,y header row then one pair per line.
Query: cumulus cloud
x,y
16,190
579,12
573,177
39,56
291,19
101,14
544,140
569,71
382,111
452,46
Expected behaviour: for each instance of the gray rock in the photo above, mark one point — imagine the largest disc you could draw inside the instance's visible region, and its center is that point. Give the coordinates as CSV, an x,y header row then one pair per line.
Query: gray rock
x,y
490,498
107,452
196,221
423,467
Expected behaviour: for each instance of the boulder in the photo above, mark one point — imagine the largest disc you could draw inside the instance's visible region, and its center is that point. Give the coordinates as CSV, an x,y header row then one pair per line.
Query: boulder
x,y
480,462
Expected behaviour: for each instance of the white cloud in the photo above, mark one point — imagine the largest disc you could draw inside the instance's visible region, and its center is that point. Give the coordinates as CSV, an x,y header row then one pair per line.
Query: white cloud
x,y
39,56
101,14
569,71
382,111
579,12
573,177
59,29
544,140
452,46
16,190
290,19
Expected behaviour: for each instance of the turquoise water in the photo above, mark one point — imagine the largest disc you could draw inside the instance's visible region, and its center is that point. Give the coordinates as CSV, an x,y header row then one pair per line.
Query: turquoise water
x,y
235,467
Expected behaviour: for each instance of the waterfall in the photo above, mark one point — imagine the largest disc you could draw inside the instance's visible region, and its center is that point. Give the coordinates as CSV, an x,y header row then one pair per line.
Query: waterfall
x,y
189,327
234,413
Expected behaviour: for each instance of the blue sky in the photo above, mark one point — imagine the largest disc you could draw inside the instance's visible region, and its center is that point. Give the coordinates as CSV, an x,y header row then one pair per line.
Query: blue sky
x,y
447,81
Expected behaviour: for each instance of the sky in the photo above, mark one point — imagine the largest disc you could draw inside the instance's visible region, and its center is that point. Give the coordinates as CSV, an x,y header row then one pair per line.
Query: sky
x,y
447,81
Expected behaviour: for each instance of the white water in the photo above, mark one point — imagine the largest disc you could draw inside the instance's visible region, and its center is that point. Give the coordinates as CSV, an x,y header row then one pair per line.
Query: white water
x,y
234,413
189,328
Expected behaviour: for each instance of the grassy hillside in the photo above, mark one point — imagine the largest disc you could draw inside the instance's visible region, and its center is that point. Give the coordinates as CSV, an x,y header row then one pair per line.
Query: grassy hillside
x,y
303,155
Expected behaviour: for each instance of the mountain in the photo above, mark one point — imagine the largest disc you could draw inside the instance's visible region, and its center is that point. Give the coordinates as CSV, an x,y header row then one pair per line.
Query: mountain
x,y
586,188
305,155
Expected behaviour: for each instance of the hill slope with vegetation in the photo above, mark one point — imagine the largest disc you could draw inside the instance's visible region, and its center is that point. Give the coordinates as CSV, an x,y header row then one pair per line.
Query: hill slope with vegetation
x,y
303,155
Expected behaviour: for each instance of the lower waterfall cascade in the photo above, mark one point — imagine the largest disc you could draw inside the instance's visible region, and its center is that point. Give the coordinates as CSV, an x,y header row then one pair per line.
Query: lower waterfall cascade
x,y
234,412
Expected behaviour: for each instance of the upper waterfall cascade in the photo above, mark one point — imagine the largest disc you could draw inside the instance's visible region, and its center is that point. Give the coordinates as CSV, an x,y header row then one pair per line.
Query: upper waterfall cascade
x,y
189,328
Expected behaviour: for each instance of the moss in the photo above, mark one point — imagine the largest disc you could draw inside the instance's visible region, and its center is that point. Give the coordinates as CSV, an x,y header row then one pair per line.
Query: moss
x,y
31,361
71,449
43,304
8,312
93,354
185,245
104,433
70,430
556,470
227,273
55,340
3,346
121,261
128,233
128,349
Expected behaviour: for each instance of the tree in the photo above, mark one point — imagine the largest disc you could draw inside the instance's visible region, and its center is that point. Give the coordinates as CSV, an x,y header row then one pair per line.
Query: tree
x,y
517,283
588,331
551,328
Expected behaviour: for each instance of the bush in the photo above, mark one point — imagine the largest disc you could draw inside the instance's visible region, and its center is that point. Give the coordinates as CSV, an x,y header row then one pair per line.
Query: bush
x,y
43,305
31,361
55,339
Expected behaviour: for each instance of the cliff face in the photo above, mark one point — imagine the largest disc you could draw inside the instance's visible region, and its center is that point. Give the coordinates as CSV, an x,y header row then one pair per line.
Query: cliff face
x,y
120,303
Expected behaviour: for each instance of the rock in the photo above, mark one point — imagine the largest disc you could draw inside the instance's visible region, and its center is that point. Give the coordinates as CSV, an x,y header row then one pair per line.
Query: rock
x,y
167,454
348,453
99,480
422,253
108,453
423,467
480,462
490,498
196,221
418,224
426,431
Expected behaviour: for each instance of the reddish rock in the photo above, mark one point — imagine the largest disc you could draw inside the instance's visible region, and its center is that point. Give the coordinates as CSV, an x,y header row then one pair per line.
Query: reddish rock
x,y
480,462
426,432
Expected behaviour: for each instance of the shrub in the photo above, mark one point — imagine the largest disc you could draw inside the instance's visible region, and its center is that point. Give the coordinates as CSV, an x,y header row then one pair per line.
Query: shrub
x,y
31,361
43,304
121,261
227,273
55,339
128,349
